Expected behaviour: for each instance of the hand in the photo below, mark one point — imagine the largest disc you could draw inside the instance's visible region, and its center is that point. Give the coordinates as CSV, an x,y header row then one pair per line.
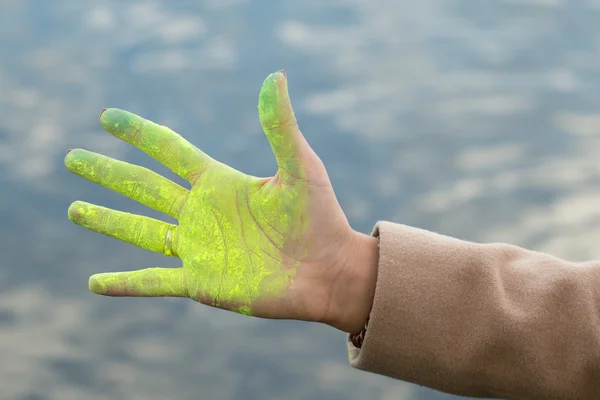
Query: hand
x,y
278,247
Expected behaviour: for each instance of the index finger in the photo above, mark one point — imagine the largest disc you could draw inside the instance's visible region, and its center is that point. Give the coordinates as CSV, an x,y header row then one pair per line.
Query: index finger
x,y
159,142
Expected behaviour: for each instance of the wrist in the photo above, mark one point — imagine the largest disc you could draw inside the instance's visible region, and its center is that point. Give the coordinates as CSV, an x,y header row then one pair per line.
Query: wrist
x,y
356,290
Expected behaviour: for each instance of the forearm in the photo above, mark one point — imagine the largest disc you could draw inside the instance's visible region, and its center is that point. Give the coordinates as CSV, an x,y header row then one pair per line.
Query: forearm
x,y
487,320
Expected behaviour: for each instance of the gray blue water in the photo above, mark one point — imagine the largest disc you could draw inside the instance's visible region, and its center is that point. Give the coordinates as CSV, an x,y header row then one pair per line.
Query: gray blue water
x,y
478,119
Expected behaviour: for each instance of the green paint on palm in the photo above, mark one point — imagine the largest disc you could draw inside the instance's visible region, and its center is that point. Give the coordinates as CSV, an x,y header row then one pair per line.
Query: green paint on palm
x,y
239,237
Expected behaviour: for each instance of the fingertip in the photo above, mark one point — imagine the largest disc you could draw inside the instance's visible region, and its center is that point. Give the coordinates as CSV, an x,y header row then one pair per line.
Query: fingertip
x,y
73,212
105,115
114,114
279,76
274,106
275,80
77,211
96,285
70,157
120,122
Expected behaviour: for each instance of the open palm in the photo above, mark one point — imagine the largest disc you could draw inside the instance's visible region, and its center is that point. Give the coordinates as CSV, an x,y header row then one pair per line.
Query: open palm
x,y
269,247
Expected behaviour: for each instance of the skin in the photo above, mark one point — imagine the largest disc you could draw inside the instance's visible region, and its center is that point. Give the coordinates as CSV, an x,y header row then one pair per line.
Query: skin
x,y
277,247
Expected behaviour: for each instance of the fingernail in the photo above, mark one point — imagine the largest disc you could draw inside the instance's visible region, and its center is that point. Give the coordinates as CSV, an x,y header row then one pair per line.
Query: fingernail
x,y
101,112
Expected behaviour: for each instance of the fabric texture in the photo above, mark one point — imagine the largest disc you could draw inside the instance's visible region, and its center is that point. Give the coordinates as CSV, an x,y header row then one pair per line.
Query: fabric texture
x,y
482,320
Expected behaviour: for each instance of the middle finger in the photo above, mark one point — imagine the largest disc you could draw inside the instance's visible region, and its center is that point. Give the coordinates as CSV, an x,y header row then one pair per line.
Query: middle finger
x,y
137,183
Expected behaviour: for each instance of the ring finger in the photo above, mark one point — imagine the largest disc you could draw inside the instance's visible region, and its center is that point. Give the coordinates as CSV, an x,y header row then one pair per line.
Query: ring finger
x,y
138,183
147,233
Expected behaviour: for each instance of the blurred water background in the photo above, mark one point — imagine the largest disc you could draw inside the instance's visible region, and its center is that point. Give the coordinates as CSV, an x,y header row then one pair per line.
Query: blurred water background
x,y
478,119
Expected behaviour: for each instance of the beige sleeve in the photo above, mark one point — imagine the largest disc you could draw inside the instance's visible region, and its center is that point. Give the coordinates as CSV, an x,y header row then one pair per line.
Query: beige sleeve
x,y
482,320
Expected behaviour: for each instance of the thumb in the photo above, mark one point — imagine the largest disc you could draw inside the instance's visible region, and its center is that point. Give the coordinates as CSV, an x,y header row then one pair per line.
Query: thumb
x,y
279,124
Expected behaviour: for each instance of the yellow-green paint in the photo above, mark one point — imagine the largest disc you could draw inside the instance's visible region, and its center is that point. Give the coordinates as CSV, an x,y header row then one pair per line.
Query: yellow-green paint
x,y
236,235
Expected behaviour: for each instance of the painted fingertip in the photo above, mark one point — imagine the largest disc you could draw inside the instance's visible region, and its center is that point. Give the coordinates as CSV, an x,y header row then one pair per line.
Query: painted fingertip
x,y
77,211
96,286
121,123
273,102
274,85
275,78
68,157
71,153
106,115
280,76
73,212
75,161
